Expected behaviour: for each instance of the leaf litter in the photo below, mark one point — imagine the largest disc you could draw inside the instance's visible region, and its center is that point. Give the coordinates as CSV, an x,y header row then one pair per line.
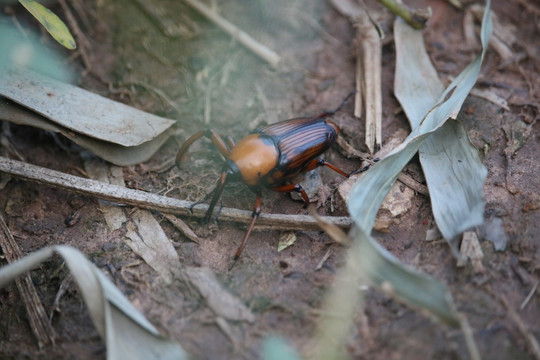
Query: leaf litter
x,y
385,286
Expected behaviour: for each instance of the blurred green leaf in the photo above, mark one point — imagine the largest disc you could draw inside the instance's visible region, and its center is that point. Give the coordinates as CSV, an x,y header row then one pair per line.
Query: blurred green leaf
x,y
276,348
369,263
51,23
126,332
28,52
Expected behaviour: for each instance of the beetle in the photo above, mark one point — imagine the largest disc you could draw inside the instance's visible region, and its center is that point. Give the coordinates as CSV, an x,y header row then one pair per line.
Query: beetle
x,y
270,156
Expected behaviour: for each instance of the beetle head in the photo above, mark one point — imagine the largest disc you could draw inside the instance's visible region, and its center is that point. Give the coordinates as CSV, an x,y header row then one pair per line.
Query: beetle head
x,y
231,169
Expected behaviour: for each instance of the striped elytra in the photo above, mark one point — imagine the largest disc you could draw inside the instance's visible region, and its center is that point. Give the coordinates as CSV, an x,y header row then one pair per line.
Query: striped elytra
x,y
299,141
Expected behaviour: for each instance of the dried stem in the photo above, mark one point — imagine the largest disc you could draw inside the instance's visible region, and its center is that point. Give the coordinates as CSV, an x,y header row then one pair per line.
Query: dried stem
x,y
121,195
414,17
370,59
262,51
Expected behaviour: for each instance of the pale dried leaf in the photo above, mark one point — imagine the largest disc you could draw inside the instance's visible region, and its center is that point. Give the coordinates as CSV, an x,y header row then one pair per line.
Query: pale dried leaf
x,y
80,110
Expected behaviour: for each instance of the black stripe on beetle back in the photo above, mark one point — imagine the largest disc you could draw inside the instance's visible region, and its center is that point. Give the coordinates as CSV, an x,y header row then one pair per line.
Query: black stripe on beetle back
x,y
288,127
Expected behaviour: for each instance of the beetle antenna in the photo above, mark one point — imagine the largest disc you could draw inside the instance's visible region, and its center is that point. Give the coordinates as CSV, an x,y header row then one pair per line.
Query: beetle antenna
x,y
217,194
180,156
332,112
345,101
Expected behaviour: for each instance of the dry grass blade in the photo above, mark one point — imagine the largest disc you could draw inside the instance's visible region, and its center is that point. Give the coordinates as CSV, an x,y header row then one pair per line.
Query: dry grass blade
x,y
80,110
370,190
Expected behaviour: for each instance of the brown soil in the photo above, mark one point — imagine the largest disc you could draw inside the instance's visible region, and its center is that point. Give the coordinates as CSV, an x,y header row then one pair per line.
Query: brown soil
x,y
203,67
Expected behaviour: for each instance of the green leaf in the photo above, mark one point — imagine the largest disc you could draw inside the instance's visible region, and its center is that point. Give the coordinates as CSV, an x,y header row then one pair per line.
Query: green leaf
x,y
51,22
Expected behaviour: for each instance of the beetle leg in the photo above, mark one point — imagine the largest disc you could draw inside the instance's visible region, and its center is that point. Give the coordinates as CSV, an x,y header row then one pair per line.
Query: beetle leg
x,y
218,143
210,134
200,201
217,194
361,170
254,215
230,142
315,163
180,155
320,162
293,187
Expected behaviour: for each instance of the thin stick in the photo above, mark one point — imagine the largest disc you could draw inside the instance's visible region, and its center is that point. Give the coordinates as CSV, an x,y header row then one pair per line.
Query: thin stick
x,y
83,41
39,322
323,260
414,17
262,51
121,195
534,346
529,296
183,227
413,184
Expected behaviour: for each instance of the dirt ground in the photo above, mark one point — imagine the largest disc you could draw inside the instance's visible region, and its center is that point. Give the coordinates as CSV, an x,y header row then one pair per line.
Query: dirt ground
x,y
215,82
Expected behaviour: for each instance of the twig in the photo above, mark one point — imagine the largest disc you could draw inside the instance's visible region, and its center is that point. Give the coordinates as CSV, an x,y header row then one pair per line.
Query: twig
x,y
472,347
529,296
64,285
39,323
349,151
534,346
413,184
414,17
160,93
323,260
262,51
183,227
159,14
121,195
83,41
